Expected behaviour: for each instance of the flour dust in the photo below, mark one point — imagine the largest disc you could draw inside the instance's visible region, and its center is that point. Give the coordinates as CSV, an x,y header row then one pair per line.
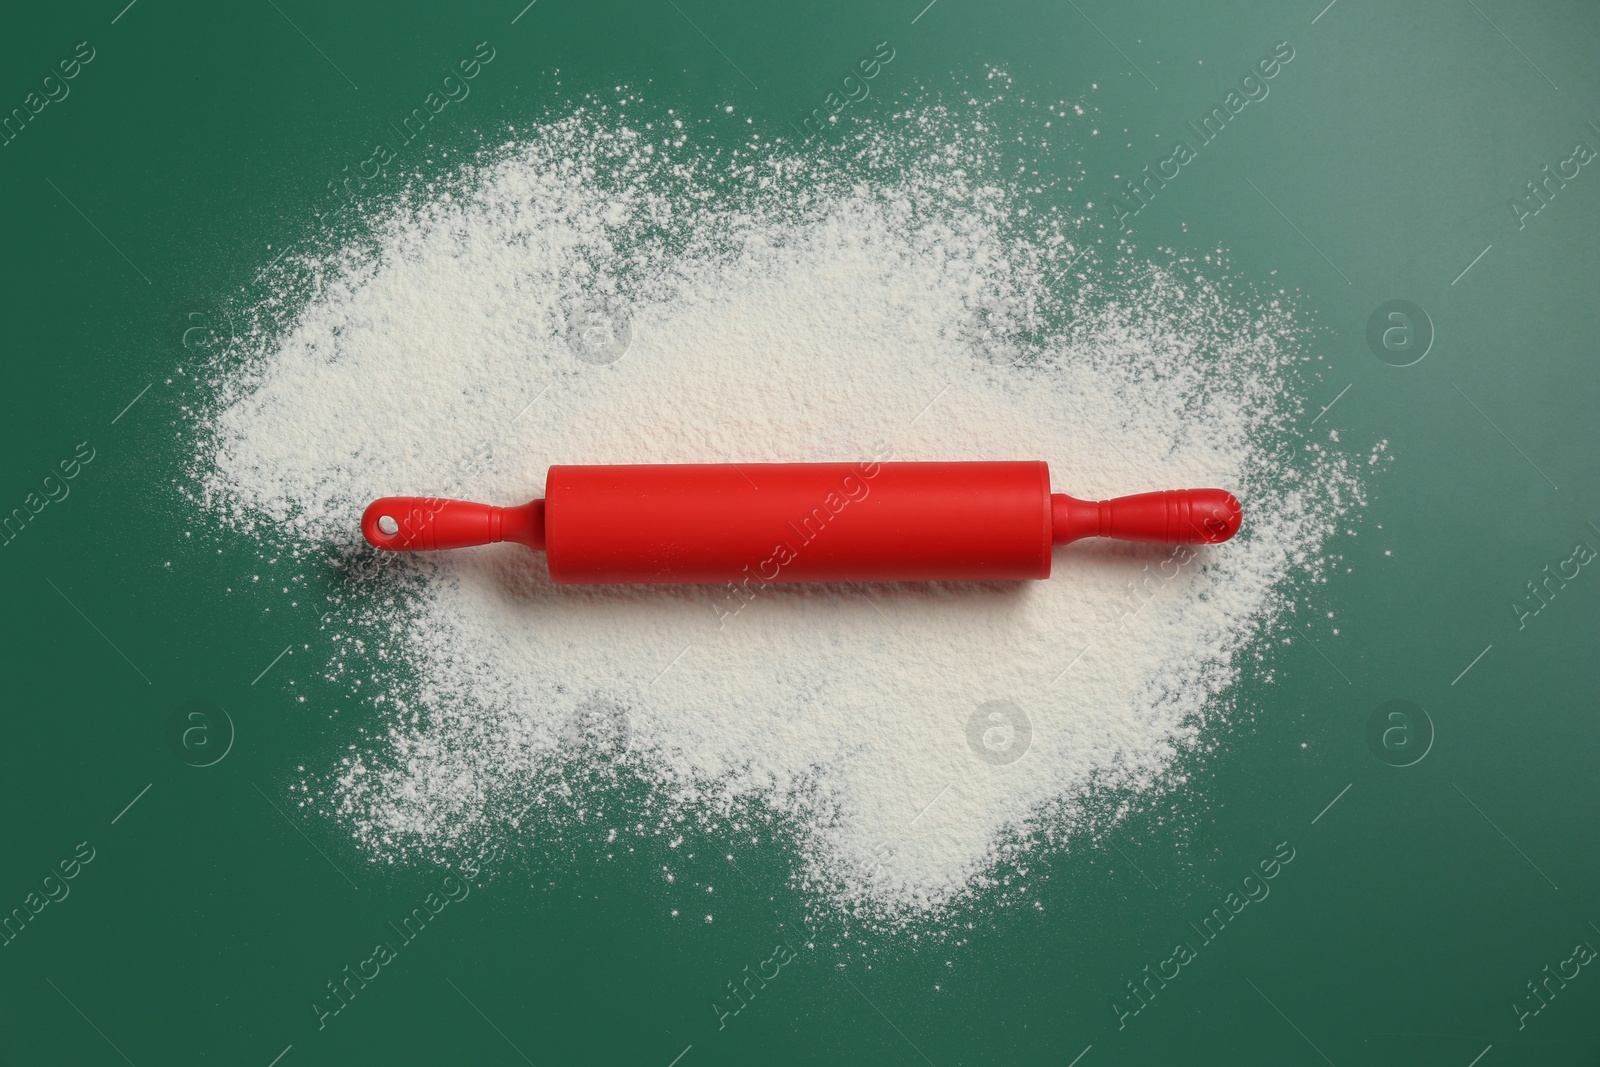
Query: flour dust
x,y
618,286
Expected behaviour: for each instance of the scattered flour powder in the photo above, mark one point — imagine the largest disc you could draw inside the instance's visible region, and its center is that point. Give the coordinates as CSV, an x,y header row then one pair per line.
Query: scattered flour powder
x,y
600,290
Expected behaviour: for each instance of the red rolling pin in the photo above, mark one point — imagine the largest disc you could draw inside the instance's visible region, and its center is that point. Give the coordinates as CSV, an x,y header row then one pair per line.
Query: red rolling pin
x,y
801,522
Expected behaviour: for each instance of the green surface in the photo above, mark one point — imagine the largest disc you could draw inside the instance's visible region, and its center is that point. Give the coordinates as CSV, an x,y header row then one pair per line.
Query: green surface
x,y
197,144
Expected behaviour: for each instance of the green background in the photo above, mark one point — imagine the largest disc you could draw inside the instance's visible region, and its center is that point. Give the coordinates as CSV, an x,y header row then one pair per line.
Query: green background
x,y
197,145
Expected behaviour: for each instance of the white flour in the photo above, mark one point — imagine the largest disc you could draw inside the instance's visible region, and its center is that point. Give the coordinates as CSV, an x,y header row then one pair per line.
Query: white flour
x,y
784,307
